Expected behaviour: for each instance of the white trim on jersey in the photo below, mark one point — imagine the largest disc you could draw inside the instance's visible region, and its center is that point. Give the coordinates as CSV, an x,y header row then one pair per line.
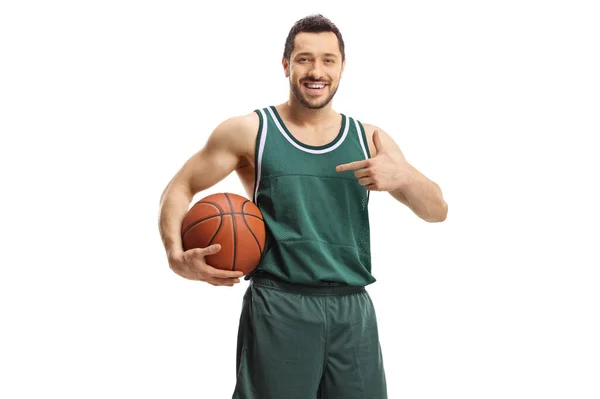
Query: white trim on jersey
x,y
310,150
360,138
261,147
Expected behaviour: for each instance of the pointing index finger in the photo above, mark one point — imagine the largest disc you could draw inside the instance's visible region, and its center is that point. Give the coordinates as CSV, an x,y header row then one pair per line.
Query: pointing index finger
x,y
352,166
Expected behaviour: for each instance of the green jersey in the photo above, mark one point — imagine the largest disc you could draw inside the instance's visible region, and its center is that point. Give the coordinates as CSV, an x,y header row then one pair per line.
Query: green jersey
x,y
316,218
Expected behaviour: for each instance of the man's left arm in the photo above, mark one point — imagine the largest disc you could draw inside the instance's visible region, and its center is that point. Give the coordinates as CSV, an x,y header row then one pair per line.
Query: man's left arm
x,y
388,170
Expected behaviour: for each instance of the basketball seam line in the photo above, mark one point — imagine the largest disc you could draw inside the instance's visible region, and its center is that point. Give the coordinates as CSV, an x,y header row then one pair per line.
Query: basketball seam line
x,y
220,220
249,229
212,203
195,223
219,215
232,213
234,231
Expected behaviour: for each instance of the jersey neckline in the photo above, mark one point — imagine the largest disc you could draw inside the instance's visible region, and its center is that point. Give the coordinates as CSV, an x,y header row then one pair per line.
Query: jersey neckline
x,y
311,148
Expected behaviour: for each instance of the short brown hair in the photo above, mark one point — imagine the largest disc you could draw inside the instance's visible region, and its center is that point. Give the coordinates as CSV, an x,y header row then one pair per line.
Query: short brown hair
x,y
316,23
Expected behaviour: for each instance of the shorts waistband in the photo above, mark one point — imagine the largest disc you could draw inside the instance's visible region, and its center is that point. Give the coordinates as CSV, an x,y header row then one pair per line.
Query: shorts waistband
x,y
269,281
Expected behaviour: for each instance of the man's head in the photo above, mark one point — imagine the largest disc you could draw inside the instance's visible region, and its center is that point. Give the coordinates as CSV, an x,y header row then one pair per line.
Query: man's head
x,y
313,60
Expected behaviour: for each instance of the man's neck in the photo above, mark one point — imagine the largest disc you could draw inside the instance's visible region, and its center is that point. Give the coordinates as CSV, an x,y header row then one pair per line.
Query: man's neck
x,y
300,115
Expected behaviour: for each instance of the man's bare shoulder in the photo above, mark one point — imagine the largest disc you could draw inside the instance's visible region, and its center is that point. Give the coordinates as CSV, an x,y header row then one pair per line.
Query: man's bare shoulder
x,y
237,133
369,129
237,136
240,125
388,142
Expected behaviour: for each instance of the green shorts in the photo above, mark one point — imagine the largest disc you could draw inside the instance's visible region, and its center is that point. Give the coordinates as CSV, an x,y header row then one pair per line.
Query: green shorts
x,y
305,342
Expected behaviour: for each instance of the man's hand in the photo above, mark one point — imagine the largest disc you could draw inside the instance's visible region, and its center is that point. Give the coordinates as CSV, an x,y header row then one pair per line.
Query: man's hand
x,y
190,264
382,172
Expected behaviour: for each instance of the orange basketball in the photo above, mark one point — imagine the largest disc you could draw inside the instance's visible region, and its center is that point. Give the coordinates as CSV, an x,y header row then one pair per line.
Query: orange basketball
x,y
232,221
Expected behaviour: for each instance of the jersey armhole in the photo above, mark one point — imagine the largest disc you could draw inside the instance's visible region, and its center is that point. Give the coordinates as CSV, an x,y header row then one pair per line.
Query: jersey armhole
x,y
365,146
363,137
258,150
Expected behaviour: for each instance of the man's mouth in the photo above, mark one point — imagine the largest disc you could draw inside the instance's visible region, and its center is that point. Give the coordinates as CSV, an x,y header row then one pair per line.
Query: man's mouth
x,y
315,87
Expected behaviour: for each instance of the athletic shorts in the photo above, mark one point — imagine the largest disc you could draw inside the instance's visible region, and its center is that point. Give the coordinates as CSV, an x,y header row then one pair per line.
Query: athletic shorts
x,y
308,342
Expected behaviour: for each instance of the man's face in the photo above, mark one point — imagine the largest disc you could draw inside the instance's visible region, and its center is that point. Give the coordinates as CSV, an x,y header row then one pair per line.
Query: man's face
x,y
315,68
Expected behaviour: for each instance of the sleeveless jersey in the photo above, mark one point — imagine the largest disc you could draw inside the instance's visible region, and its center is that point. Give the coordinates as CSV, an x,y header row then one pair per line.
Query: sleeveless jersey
x,y
316,218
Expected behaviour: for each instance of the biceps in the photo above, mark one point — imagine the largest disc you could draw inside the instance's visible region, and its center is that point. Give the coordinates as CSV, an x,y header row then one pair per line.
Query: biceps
x,y
208,167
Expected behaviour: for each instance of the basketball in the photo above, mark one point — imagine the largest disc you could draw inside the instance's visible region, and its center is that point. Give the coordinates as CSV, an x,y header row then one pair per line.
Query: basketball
x,y
232,221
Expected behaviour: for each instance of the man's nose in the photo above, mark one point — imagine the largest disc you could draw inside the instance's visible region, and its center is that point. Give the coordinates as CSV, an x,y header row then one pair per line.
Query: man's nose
x,y
316,72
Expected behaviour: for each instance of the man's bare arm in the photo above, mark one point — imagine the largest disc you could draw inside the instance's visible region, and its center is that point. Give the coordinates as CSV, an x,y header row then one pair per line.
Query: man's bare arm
x,y
224,150
422,195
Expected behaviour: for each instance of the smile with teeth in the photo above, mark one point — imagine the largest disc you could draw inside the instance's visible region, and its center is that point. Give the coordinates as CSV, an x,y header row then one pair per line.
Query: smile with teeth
x,y
315,88
314,85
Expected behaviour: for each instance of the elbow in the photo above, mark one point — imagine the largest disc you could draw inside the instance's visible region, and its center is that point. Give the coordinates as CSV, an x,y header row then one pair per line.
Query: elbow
x,y
443,213
439,216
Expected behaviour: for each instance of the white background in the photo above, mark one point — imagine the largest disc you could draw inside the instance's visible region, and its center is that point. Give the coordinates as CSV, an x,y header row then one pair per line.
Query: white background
x,y
498,102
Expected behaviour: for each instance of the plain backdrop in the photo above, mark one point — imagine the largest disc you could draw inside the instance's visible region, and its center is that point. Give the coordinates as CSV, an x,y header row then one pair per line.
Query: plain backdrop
x,y
101,102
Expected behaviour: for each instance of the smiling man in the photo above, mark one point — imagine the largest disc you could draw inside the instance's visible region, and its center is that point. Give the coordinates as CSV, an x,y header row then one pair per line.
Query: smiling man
x,y
308,327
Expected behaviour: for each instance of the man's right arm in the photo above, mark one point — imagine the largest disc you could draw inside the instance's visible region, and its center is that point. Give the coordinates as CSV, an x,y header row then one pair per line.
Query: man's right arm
x,y
224,150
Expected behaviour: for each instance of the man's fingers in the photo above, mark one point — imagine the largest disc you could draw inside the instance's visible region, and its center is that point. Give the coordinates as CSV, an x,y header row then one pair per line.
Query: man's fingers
x,y
362,173
195,253
211,250
352,165
365,181
218,273
377,142
217,282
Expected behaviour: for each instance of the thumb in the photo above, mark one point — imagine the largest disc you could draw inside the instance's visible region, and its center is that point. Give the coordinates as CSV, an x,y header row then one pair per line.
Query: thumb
x,y
377,141
211,250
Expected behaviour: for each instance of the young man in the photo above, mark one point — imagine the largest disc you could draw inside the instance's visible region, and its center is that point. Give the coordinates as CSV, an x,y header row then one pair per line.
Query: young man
x,y
308,327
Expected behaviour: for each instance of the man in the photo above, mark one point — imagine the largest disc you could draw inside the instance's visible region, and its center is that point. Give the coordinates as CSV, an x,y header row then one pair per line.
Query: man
x,y
308,327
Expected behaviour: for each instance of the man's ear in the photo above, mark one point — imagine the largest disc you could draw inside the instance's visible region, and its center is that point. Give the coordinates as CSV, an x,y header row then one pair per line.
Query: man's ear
x,y
286,67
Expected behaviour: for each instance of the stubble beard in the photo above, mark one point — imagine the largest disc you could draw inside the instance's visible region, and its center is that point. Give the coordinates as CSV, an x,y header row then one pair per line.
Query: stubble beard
x,y
304,101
